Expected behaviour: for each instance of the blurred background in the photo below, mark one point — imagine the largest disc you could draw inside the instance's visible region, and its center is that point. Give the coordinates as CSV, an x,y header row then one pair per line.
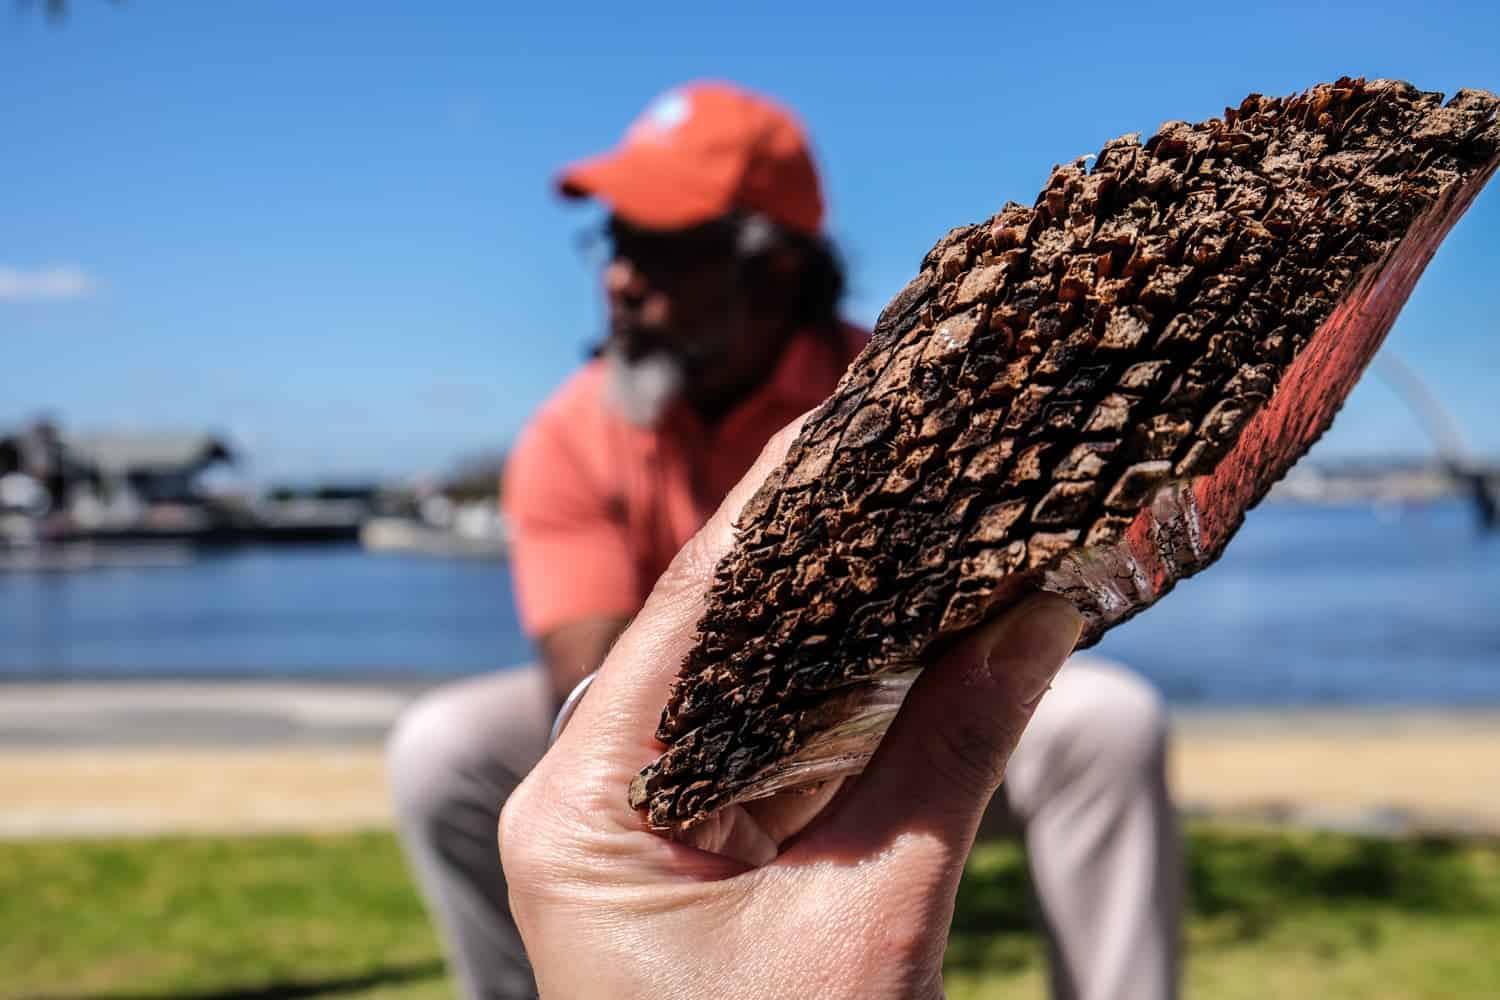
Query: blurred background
x,y
279,284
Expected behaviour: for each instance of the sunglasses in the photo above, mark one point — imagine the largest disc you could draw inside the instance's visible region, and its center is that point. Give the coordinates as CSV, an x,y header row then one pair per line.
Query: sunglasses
x,y
662,253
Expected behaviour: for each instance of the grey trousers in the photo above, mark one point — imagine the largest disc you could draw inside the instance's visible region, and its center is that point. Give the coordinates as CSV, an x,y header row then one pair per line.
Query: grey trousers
x,y
1086,788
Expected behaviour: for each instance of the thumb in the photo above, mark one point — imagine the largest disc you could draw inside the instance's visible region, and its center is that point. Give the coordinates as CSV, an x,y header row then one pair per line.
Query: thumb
x,y
945,753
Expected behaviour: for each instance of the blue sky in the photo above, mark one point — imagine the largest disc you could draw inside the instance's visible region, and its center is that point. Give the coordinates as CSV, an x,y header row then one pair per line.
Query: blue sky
x,y
326,229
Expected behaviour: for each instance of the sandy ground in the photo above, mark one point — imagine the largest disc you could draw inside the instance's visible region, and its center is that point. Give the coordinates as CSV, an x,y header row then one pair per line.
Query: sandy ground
x,y
95,759
1374,771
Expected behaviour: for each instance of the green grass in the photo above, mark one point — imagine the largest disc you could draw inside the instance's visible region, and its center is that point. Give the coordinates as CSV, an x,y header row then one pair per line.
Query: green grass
x,y
276,918
1274,914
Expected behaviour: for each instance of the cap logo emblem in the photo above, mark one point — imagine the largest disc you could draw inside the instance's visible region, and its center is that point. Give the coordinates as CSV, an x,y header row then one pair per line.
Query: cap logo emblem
x,y
661,116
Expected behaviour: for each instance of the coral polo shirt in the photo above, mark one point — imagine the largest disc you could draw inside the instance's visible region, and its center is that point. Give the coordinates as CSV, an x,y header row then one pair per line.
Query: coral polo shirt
x,y
597,506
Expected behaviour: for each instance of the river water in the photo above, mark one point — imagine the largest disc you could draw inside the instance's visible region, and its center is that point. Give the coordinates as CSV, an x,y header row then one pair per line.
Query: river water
x,y
1310,606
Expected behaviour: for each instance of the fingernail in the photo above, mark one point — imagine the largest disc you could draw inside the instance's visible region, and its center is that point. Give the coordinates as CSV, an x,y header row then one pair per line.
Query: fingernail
x,y
1035,637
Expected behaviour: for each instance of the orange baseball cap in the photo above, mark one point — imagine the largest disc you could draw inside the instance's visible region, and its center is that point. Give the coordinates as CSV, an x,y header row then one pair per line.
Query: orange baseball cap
x,y
700,151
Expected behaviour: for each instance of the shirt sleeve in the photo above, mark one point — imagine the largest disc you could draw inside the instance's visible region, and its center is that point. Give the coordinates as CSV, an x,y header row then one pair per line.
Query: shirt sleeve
x,y
569,556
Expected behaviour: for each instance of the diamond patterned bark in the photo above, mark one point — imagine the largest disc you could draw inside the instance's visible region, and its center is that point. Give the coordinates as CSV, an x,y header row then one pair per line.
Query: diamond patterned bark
x,y
1083,396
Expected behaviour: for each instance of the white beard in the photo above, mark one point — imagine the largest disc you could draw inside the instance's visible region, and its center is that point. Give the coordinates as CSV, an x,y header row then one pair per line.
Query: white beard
x,y
642,390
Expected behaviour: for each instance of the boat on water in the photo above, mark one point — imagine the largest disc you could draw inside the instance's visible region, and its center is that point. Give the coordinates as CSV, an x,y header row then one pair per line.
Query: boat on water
x,y
408,536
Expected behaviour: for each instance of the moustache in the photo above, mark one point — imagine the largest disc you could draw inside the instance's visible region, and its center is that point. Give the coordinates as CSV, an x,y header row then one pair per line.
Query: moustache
x,y
630,345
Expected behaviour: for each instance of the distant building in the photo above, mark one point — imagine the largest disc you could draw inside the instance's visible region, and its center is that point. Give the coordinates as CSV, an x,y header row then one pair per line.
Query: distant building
x,y
38,454
147,468
155,467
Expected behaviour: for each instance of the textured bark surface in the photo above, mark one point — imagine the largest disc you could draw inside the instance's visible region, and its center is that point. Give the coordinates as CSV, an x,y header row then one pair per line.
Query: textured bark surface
x,y
1083,396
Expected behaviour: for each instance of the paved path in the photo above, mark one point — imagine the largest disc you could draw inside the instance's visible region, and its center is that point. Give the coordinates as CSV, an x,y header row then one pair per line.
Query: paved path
x,y
189,714
146,757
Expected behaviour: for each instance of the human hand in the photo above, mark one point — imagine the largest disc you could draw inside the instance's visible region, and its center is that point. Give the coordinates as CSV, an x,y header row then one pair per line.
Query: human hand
x,y
844,892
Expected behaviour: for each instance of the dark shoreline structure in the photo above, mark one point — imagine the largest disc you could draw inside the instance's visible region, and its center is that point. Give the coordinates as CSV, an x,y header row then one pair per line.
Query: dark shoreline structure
x,y
1084,397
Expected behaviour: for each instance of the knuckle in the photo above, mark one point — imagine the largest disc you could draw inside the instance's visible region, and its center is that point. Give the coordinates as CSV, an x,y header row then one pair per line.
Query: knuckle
x,y
508,832
521,849
966,755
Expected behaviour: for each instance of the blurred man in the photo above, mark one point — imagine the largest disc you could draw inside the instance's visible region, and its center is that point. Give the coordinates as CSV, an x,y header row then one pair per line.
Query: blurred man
x,y
722,298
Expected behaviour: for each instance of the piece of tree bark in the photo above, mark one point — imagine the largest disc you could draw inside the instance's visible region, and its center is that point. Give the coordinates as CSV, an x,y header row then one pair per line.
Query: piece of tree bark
x,y
1084,397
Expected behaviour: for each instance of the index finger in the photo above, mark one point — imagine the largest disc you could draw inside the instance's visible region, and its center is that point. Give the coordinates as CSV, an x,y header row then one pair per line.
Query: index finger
x,y
615,723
